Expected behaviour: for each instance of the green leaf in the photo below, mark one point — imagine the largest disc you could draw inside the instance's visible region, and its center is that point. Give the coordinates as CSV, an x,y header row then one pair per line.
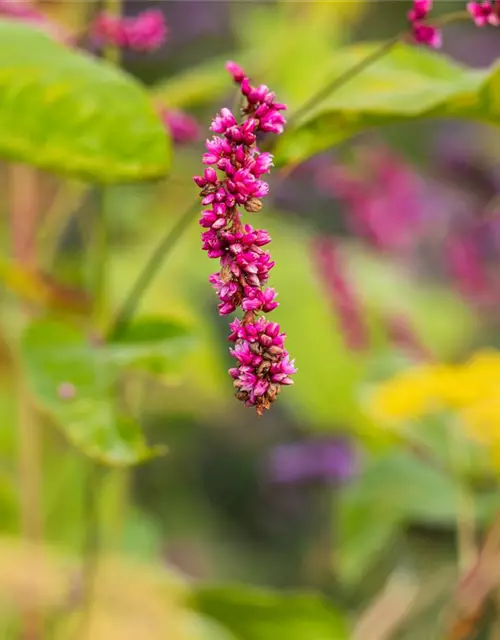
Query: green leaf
x,y
73,114
257,614
406,83
153,344
393,490
54,353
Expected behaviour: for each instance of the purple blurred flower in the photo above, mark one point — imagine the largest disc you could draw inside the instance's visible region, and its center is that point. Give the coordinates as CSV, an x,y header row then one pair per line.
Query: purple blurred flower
x,y
327,460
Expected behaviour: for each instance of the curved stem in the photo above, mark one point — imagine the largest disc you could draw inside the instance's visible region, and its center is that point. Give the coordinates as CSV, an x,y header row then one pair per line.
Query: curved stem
x,y
339,81
149,271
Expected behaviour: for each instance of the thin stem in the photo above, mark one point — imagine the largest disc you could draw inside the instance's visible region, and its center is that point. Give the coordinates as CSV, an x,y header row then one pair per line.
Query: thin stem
x,y
23,187
466,522
112,52
455,16
149,271
339,81
91,545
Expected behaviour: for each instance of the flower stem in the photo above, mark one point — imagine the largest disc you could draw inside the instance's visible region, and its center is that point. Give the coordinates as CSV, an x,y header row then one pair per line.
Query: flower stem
x,y
339,81
114,9
23,187
149,271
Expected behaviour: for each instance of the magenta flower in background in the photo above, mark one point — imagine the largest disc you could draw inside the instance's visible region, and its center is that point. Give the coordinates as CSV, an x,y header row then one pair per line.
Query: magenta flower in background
x,y
331,460
146,32
421,31
484,13
108,31
143,33
232,182
346,306
467,267
382,196
182,127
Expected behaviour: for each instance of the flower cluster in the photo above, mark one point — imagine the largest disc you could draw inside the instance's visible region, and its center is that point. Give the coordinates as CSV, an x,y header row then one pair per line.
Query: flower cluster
x,y
421,31
233,180
483,13
144,33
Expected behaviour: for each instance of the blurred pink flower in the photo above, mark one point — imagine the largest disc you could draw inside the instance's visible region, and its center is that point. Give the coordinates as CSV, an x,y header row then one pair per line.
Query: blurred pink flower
x,y
468,269
484,13
144,33
182,126
383,197
147,31
339,291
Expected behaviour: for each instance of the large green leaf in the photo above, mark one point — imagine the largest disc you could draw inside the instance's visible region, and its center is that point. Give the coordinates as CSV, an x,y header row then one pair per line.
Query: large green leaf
x,y
406,83
256,614
55,354
70,113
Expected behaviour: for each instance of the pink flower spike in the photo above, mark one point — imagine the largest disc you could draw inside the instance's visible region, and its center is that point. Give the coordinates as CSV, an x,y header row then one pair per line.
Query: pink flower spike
x,y
232,180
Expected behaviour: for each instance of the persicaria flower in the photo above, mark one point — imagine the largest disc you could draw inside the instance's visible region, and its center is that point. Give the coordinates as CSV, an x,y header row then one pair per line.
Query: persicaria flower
x,y
484,13
421,31
232,181
144,33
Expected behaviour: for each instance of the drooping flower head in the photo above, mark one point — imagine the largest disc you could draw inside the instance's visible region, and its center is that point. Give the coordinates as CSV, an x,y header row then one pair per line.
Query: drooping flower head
x,y
232,182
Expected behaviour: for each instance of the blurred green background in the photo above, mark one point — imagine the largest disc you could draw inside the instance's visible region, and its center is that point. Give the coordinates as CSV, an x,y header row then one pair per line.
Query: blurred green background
x,y
207,540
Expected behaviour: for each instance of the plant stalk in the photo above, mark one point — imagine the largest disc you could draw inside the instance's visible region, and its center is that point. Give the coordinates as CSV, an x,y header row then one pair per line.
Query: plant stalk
x,y
24,196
